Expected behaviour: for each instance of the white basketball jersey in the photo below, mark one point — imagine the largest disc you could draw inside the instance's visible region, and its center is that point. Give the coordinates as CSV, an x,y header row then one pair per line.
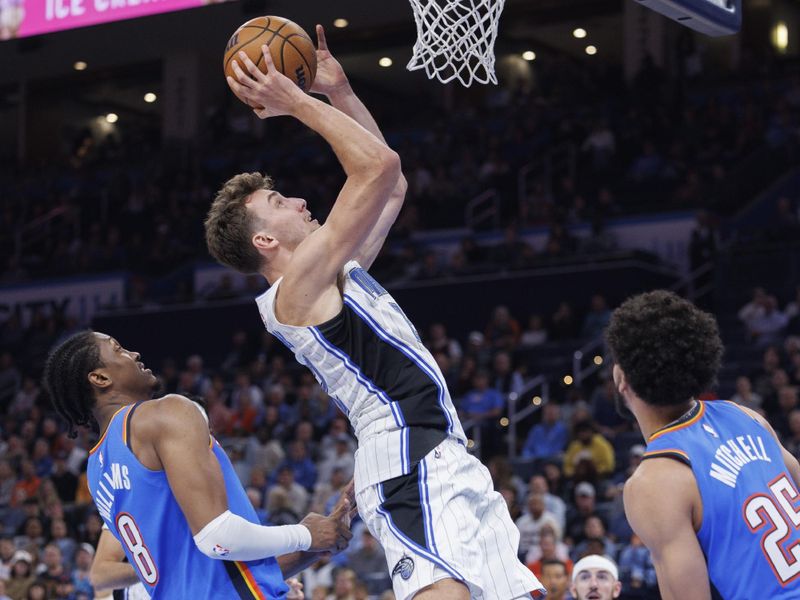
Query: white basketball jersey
x,y
371,361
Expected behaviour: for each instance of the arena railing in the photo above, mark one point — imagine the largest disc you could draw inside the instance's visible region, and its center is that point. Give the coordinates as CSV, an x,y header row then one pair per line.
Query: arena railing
x,y
537,389
483,210
695,286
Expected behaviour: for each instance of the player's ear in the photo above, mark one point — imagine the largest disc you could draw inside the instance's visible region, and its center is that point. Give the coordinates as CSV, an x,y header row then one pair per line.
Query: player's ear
x,y
617,589
100,378
619,378
264,242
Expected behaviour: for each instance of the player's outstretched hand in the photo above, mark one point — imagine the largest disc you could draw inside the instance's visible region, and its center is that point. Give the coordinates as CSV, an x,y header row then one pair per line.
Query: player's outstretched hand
x,y
328,534
330,76
272,90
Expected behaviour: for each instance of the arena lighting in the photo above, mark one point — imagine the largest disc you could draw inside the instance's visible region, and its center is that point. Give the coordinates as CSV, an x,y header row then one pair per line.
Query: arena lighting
x,y
568,380
537,400
579,33
529,55
591,50
112,117
598,360
385,62
470,443
79,65
150,97
341,23
780,36
504,422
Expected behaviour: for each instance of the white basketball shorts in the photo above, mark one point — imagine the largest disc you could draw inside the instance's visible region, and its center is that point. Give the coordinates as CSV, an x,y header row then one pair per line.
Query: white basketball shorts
x,y
445,520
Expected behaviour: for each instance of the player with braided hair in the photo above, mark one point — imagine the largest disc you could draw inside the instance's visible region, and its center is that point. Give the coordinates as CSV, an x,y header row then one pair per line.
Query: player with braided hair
x,y
165,488
66,382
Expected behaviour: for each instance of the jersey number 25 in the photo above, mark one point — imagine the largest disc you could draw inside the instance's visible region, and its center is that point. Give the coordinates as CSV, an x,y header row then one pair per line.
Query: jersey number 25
x,y
781,516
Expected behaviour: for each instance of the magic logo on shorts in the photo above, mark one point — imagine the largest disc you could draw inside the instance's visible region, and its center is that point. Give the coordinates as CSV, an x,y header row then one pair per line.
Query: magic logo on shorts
x,y
404,567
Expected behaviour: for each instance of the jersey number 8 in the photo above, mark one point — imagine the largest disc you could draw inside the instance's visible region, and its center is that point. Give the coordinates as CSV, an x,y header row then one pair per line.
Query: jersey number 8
x,y
132,537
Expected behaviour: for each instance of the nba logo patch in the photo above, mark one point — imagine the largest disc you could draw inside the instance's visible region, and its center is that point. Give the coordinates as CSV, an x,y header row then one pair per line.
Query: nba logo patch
x,y
220,551
404,567
710,430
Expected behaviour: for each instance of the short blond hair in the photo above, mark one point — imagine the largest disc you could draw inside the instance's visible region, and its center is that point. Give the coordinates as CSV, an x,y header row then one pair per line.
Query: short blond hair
x,y
229,225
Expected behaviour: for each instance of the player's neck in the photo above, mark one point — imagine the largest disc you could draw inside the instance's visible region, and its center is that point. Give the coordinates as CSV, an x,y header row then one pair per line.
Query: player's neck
x,y
106,408
653,418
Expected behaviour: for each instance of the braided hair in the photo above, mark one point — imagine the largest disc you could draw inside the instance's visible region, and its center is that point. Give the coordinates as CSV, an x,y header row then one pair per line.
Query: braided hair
x,y
65,379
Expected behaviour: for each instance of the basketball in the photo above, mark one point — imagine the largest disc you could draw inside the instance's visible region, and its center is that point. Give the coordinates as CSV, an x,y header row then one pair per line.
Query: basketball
x,y
291,48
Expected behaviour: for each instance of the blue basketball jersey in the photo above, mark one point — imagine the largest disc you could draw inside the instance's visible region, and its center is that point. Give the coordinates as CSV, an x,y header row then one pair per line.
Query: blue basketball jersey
x,y
750,533
140,509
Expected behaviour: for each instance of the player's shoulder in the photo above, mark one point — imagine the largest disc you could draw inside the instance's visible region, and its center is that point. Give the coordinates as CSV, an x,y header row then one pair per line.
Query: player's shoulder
x,y
661,486
158,414
656,473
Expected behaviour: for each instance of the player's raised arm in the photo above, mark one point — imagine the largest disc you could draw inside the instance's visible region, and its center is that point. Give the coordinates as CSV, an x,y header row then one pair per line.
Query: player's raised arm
x,y
664,523
179,437
372,171
332,81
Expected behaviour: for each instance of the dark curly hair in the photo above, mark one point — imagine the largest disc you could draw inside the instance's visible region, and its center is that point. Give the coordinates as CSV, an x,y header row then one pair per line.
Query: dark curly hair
x,y
669,349
66,382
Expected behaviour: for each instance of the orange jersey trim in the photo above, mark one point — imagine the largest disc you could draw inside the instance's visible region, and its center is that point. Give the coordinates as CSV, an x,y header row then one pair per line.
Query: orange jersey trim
x,y
666,451
691,421
249,580
125,425
103,437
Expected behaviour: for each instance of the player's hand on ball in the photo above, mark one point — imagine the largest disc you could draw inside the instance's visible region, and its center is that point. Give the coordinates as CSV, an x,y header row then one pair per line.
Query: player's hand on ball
x,y
271,90
330,74
328,534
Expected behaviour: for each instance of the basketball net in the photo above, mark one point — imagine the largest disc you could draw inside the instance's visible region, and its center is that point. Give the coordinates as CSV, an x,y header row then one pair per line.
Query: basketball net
x,y
455,39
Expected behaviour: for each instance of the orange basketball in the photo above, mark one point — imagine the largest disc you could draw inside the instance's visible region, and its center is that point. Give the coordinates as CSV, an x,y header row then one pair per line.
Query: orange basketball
x,y
291,48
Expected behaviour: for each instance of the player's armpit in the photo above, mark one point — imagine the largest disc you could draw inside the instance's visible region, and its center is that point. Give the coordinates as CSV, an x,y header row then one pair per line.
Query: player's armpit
x,y
663,519
180,437
109,572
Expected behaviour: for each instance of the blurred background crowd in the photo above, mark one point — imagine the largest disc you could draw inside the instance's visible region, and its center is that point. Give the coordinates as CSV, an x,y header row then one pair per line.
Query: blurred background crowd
x,y
518,183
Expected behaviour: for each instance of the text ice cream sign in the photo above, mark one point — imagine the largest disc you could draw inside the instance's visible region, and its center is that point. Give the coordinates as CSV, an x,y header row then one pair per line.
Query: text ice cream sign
x,y
22,18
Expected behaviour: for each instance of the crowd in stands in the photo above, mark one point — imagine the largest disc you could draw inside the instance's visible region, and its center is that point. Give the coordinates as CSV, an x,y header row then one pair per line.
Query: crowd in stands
x,y
130,203
766,322
293,451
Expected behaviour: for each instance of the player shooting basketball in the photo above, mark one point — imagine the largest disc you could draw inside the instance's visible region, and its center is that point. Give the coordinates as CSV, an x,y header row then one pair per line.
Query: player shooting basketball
x,y
446,533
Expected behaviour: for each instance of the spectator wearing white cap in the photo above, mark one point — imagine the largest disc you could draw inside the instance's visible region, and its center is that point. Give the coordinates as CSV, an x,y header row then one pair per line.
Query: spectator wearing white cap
x,y
81,578
584,507
595,577
22,576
